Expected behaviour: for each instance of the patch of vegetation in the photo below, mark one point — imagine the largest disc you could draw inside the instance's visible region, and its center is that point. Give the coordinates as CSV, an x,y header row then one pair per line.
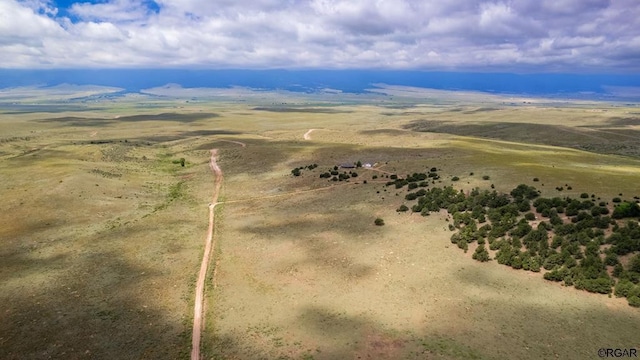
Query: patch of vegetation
x,y
176,192
106,174
570,250
180,161
298,171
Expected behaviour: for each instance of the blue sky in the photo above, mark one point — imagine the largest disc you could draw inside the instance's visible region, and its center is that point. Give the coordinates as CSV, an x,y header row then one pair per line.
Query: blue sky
x,y
524,36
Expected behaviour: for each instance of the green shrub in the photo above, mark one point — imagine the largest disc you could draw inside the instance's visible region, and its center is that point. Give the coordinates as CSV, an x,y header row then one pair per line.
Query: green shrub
x,y
379,222
555,275
623,287
534,264
626,209
462,244
600,285
481,254
634,301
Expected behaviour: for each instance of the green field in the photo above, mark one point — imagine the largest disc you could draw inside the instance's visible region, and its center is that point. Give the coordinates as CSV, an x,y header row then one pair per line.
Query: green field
x,y
102,229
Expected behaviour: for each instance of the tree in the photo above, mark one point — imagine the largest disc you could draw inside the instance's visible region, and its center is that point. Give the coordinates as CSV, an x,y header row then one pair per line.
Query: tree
x,y
634,264
623,287
534,264
359,164
379,222
481,254
626,209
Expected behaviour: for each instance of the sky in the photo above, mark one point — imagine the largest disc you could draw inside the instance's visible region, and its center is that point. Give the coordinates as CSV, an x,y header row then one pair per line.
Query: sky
x,y
513,36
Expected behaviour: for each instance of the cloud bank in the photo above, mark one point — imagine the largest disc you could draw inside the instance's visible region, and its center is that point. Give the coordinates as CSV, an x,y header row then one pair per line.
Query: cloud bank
x,y
468,35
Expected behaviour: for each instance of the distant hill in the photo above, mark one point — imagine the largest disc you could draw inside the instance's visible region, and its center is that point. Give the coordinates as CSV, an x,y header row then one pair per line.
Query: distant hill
x,y
586,86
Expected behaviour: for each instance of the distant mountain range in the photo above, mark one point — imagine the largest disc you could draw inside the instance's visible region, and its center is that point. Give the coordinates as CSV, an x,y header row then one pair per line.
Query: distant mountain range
x,y
580,86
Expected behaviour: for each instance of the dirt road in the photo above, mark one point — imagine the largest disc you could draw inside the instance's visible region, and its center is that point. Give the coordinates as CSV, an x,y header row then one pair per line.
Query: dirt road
x,y
307,135
235,142
209,244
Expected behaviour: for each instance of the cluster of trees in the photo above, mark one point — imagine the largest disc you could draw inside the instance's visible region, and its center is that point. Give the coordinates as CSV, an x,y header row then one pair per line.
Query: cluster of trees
x,y
298,171
576,241
415,180
579,242
626,209
332,173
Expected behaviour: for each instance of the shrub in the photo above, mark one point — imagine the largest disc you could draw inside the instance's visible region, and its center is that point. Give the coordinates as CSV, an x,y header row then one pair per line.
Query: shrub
x,y
535,179
481,254
534,264
402,208
516,263
626,209
584,195
462,244
555,275
634,264
623,287
455,178
616,200
600,285
379,222
411,196
485,177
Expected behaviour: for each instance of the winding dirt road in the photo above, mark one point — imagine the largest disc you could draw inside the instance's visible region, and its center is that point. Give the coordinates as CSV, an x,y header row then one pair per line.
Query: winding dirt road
x,y
198,313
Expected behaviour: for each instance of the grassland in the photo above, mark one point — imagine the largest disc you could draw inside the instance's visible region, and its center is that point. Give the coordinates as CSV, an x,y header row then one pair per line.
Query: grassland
x,y
101,232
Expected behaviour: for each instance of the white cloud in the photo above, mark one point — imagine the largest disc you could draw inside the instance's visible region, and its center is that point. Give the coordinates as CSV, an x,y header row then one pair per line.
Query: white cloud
x,y
564,35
